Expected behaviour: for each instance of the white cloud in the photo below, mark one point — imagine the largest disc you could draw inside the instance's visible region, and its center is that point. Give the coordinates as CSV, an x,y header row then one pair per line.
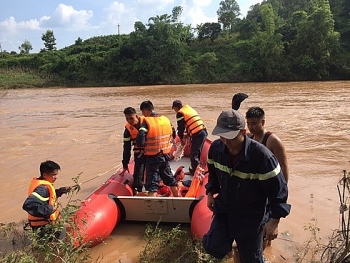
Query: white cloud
x,y
12,26
115,12
194,12
253,2
196,16
201,2
31,24
9,24
118,14
156,4
65,16
245,6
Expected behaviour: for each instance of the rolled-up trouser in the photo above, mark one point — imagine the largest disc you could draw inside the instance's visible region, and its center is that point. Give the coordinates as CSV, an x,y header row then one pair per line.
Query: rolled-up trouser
x,y
218,242
197,142
158,167
139,169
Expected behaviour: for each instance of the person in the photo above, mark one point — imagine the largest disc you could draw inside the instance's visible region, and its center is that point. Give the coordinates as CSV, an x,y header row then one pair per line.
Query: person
x,y
255,117
188,120
147,108
237,100
155,136
41,203
130,132
243,175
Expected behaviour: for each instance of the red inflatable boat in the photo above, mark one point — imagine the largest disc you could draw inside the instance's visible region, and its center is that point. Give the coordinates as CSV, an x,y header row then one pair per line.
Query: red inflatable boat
x,y
114,202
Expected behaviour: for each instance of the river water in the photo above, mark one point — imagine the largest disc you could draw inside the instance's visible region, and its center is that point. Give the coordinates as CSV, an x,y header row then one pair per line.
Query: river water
x,y
81,129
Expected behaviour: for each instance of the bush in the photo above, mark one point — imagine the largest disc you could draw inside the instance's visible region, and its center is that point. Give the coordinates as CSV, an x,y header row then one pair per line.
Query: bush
x,y
172,245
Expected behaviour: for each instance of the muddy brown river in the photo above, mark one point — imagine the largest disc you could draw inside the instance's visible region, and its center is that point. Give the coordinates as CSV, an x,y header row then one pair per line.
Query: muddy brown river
x,y
82,128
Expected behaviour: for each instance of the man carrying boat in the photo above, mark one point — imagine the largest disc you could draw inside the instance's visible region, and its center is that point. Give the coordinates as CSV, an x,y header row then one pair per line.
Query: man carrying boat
x,y
130,133
188,120
41,203
156,135
243,176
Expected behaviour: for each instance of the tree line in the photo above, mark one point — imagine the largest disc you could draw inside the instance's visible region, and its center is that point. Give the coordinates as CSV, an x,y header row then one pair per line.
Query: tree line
x,y
278,40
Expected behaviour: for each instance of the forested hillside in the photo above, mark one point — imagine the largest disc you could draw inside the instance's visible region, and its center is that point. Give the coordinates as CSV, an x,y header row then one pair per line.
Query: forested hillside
x,y
278,40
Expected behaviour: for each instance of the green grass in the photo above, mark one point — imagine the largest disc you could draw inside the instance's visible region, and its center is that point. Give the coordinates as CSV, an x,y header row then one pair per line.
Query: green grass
x,y
18,78
174,244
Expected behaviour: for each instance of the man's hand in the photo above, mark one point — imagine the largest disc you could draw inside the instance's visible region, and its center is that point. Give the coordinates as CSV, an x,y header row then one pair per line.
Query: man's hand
x,y
124,170
270,230
210,202
63,190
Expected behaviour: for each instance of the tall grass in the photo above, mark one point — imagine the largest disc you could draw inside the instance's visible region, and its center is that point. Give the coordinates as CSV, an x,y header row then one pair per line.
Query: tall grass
x,y
175,245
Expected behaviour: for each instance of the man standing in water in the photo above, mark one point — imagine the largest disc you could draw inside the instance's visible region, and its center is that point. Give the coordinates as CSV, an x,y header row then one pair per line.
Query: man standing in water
x,y
255,117
130,133
156,136
243,176
41,203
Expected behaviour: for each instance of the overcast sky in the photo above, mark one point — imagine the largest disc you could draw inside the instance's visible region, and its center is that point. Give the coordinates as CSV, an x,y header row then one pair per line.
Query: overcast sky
x,y
70,19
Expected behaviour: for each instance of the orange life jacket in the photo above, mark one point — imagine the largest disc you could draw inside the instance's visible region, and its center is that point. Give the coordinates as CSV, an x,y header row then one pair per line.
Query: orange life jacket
x,y
52,200
193,122
159,135
133,134
197,181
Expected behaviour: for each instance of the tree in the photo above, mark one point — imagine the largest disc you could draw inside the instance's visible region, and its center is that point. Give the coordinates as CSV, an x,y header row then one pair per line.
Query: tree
x,y
269,47
139,27
79,41
228,13
49,40
209,30
206,64
155,51
316,42
246,29
176,13
268,18
25,47
341,14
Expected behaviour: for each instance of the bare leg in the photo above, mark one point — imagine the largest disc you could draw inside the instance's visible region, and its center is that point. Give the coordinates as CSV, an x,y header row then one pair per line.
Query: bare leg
x,y
153,194
175,191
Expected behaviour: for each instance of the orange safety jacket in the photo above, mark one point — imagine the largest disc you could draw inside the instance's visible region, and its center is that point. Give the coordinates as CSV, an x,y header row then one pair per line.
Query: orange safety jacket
x,y
159,135
193,122
197,181
133,134
52,200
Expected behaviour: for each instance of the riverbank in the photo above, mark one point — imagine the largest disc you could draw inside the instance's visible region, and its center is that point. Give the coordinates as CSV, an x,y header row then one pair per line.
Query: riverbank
x,y
16,79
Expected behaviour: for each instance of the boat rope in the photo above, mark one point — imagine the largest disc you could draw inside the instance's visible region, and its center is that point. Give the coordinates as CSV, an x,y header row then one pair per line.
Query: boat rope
x,y
100,174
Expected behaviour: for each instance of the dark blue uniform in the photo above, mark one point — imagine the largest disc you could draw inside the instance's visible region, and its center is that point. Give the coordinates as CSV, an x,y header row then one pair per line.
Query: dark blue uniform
x,y
139,161
243,190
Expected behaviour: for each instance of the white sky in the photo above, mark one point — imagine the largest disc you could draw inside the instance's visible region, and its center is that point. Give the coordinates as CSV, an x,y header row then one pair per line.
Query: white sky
x,y
70,19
